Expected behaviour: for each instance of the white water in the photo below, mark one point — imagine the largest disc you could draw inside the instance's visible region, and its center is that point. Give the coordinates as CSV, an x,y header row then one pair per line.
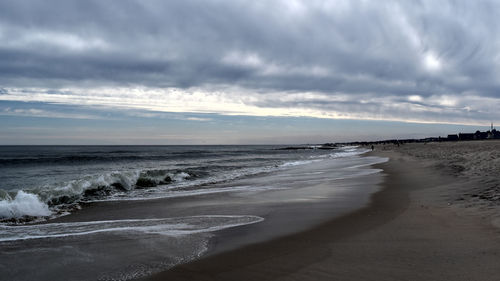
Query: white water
x,y
164,226
27,204
23,204
141,248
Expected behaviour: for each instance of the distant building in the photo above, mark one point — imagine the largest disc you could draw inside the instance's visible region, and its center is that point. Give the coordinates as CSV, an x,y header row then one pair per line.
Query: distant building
x,y
495,134
432,139
478,135
465,136
452,137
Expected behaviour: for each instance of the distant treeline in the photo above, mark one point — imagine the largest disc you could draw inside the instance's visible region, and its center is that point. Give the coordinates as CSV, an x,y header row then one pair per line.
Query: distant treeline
x,y
478,135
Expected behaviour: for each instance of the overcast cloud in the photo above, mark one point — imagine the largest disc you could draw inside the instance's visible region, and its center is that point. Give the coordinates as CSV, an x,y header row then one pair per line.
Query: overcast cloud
x,y
418,61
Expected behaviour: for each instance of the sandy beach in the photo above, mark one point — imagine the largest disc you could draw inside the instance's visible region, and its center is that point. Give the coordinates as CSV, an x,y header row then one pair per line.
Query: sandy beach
x,y
435,218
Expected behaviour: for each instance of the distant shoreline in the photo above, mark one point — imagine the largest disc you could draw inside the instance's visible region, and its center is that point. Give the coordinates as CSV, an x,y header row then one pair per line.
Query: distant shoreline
x,y
492,134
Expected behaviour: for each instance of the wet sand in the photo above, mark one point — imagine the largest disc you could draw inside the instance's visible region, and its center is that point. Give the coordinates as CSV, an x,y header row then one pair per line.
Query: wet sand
x,y
418,227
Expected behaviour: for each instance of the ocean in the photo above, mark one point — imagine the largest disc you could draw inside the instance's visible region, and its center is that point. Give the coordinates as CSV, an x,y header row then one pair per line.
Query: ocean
x,y
124,212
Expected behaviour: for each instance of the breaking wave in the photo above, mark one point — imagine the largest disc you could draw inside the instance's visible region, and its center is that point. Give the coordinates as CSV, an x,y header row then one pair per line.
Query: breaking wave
x,y
56,199
59,199
23,204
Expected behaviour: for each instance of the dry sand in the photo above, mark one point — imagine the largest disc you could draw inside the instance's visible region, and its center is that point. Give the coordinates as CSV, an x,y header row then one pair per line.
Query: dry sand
x,y
433,220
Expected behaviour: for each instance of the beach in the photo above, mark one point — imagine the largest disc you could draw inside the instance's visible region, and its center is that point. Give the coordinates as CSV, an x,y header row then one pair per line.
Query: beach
x,y
436,217
249,140
422,211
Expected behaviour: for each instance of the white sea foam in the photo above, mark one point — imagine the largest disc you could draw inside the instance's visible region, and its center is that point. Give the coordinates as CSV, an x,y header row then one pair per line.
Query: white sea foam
x,y
181,176
23,204
186,193
165,226
349,151
297,163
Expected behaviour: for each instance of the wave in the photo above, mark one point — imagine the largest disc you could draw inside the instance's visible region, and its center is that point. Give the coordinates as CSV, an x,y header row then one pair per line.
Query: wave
x,y
23,204
57,199
61,198
177,226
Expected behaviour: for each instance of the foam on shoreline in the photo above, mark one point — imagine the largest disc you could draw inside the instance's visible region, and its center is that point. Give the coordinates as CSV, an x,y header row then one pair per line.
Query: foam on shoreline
x,y
165,226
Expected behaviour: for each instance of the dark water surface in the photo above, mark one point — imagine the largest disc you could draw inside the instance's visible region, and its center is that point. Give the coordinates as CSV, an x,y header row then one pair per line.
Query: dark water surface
x,y
62,176
122,212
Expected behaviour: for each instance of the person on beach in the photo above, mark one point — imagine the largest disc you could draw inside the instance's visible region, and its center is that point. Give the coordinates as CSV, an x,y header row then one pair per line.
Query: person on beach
x,y
372,147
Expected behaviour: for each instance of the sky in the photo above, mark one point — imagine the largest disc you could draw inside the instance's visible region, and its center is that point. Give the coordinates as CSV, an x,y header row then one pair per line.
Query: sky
x,y
245,72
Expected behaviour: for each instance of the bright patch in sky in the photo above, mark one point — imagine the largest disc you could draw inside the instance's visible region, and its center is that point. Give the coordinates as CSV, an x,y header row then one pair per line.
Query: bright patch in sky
x,y
415,98
431,62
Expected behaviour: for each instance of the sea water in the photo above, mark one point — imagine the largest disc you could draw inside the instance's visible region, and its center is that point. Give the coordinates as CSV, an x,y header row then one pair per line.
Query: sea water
x,y
44,181
176,188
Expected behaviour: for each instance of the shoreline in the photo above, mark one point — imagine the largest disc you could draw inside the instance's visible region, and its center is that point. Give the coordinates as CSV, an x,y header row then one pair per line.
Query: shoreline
x,y
409,231
123,240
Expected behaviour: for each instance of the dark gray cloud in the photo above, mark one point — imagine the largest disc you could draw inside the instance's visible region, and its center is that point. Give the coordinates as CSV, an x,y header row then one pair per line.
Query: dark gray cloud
x,y
362,49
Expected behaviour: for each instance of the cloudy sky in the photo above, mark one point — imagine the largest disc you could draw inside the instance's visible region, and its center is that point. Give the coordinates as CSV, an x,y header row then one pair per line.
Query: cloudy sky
x,y
185,72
